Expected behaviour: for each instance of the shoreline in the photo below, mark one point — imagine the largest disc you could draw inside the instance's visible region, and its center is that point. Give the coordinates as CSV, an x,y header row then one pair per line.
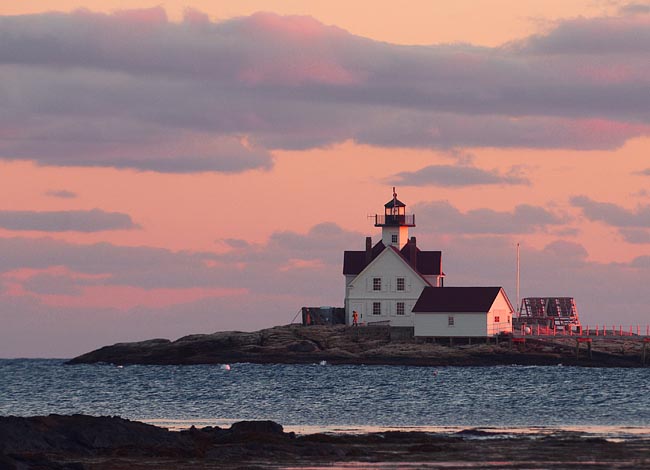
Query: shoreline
x,y
81,442
296,344
608,432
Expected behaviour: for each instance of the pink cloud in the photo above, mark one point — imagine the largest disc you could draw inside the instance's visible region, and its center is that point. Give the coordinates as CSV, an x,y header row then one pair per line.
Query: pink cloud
x,y
604,35
302,50
195,17
23,274
176,97
127,297
144,16
13,289
296,263
603,131
294,27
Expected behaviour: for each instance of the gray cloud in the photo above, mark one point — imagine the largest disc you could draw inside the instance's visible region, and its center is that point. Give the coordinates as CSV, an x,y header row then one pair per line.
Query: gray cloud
x,y
321,239
95,220
523,219
565,232
566,250
144,267
609,35
320,242
612,214
61,193
198,96
452,175
447,131
635,235
235,243
641,262
297,262
635,8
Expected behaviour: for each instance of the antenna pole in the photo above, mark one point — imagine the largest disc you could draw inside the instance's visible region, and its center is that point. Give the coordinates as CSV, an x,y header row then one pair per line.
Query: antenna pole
x,y
518,278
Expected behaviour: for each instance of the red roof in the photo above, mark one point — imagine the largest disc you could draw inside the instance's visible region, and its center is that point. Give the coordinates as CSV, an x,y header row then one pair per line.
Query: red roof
x,y
456,299
394,203
428,262
355,261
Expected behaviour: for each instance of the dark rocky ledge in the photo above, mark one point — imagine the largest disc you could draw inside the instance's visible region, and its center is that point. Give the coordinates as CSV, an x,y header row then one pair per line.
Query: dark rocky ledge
x,y
81,442
295,344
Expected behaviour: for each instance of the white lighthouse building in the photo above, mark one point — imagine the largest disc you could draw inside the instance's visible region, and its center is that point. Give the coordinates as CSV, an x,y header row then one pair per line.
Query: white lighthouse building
x,y
394,282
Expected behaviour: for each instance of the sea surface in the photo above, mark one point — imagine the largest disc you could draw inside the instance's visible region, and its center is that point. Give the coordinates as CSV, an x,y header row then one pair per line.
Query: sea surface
x,y
343,398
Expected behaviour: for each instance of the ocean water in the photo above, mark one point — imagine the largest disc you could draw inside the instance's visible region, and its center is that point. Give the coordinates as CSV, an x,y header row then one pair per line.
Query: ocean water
x,y
328,397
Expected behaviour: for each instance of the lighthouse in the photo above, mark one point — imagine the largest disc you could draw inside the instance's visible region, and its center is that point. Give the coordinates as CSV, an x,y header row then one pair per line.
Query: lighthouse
x,y
394,282
384,281
395,223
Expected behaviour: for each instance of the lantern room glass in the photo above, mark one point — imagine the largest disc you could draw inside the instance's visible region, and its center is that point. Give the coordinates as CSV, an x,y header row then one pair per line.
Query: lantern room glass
x,y
398,210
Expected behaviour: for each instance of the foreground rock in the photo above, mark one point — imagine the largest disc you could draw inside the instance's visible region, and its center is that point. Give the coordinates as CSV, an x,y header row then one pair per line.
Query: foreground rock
x,y
362,345
81,442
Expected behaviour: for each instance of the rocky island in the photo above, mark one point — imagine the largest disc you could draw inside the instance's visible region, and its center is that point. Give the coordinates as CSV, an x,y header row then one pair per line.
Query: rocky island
x,y
339,344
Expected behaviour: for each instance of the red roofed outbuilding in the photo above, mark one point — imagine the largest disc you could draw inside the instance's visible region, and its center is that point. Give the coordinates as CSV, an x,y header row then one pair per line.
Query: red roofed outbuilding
x,y
462,311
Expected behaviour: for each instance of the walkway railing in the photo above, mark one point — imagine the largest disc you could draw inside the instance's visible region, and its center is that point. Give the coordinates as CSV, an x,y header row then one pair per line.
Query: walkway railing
x,y
398,219
597,330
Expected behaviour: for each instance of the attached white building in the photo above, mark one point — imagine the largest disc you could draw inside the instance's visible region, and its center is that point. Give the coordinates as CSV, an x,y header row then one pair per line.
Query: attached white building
x,y
383,282
396,283
462,311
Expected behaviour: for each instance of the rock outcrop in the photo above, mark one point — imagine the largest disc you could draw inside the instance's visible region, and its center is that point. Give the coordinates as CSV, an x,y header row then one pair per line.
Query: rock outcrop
x,y
361,345
81,442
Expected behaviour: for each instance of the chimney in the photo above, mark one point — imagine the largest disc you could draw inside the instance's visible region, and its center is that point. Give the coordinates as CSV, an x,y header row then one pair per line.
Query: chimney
x,y
368,250
413,253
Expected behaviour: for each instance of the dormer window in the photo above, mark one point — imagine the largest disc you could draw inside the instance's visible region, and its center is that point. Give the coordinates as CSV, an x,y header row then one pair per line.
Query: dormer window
x,y
393,239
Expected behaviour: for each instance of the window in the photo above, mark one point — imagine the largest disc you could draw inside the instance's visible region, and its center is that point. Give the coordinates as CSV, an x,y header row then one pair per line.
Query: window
x,y
400,308
450,320
376,308
376,283
400,283
393,238
496,319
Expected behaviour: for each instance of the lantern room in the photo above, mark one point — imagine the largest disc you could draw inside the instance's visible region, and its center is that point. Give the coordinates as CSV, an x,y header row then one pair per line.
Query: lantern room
x,y
394,222
395,214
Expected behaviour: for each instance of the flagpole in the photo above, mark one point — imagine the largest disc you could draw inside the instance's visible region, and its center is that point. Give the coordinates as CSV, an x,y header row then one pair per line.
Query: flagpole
x,y
518,308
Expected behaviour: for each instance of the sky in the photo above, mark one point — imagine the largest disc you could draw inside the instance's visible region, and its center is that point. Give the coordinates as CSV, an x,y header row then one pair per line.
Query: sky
x,y
170,168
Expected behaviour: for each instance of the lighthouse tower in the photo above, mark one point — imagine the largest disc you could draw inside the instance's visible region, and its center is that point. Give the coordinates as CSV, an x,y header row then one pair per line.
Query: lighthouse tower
x,y
384,281
395,223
